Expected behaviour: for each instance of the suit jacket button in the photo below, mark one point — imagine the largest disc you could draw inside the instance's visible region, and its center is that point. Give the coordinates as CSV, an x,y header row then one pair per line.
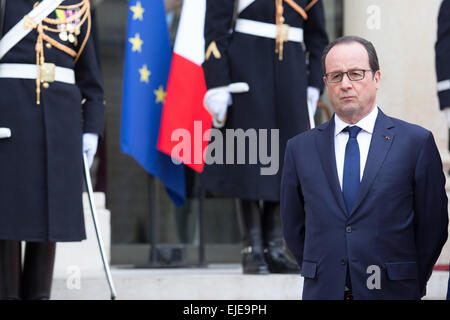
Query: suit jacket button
x,y
343,262
348,229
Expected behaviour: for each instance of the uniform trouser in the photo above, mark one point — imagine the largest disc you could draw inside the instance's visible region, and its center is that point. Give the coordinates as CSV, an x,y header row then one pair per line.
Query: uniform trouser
x,y
260,229
249,218
271,221
262,238
250,224
32,281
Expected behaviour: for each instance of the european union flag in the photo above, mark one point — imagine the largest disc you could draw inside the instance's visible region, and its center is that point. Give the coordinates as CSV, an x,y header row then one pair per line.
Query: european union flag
x,y
147,65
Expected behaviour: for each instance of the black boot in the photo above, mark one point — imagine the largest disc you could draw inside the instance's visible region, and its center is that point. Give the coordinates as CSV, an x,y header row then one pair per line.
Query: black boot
x,y
38,270
10,269
275,251
249,218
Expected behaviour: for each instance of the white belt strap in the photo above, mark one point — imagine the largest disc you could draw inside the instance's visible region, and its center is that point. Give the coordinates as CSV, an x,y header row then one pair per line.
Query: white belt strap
x,y
31,71
443,85
267,30
22,28
244,4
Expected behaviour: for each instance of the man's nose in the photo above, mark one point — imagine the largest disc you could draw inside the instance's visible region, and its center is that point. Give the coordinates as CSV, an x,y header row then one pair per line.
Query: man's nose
x,y
346,83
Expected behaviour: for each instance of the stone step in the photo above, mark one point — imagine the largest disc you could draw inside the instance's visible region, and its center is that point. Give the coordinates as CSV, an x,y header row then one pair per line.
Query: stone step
x,y
215,282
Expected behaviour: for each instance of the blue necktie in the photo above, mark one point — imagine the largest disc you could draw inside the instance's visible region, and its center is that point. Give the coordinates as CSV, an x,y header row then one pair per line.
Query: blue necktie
x,y
351,180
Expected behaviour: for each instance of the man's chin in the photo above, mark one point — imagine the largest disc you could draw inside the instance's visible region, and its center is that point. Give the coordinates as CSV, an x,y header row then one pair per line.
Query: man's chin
x,y
349,108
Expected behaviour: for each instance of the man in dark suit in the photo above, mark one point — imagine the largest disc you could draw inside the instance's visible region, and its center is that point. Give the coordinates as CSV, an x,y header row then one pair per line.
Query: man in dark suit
x,y
363,200
442,50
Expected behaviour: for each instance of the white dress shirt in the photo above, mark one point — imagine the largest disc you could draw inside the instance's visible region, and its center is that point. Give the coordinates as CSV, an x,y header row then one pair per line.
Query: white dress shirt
x,y
364,137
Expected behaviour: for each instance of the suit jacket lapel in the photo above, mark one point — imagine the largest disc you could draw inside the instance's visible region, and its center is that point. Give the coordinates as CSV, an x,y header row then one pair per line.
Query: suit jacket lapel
x,y
325,146
382,139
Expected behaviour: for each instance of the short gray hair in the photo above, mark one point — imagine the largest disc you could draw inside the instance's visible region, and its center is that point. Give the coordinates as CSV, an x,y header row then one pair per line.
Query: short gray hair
x,y
373,58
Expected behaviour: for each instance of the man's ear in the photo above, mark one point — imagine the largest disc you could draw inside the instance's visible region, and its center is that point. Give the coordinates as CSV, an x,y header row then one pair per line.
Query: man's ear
x,y
377,78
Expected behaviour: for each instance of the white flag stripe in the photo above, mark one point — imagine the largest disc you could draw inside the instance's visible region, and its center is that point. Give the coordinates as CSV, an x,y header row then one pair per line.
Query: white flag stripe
x,y
190,42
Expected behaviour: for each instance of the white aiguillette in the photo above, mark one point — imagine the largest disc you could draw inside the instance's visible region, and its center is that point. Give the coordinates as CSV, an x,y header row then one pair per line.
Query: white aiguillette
x,y
24,26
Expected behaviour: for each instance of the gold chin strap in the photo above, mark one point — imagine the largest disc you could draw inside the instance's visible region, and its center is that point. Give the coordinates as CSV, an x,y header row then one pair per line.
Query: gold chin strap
x,y
283,29
71,29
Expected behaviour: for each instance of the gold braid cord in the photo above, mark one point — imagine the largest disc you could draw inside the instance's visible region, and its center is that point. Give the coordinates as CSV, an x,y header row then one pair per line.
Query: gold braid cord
x,y
68,29
283,29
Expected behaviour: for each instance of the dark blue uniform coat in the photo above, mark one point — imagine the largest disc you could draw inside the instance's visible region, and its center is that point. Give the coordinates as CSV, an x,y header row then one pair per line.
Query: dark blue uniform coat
x,y
398,224
41,164
277,96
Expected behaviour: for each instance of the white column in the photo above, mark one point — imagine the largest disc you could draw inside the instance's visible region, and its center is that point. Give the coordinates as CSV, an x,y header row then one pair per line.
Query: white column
x,y
404,34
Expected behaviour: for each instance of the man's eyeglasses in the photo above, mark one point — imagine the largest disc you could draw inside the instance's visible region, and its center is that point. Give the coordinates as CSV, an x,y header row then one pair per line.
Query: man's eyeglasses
x,y
353,75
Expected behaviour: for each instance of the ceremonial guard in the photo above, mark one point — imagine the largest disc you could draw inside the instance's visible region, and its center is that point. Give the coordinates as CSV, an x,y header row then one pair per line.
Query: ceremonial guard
x,y
52,110
443,67
272,60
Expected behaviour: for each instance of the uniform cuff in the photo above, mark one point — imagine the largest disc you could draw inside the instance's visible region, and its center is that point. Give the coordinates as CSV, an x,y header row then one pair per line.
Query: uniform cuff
x,y
94,118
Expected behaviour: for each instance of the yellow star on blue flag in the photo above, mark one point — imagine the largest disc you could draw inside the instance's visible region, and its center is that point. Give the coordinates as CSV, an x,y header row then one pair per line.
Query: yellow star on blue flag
x,y
145,76
137,43
138,11
160,94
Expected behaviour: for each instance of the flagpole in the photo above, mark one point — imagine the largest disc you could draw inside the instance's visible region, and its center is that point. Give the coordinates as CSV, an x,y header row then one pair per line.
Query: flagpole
x,y
152,206
159,257
201,247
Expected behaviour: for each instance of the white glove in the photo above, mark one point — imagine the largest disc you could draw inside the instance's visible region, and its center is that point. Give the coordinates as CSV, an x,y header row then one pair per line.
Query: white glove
x,y
90,143
216,102
5,133
447,114
313,95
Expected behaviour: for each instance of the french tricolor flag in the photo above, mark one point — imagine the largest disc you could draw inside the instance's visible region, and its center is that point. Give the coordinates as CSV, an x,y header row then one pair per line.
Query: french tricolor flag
x,y
183,109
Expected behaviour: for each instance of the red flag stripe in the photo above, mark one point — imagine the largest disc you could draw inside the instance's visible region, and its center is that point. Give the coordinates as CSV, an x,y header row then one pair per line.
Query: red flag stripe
x,y
183,109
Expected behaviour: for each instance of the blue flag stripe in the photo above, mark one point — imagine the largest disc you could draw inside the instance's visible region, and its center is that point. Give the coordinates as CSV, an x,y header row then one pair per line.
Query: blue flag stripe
x,y
141,114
